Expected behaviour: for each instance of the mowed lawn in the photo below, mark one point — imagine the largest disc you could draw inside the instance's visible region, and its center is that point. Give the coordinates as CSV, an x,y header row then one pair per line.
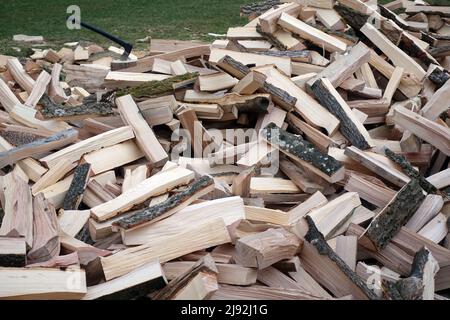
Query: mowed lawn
x,y
128,19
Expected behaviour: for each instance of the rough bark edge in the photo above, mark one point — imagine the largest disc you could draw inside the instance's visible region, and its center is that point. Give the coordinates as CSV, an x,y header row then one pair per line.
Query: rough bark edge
x,y
317,239
409,170
75,193
233,66
19,138
347,127
386,225
156,211
300,148
353,18
439,77
13,260
256,8
155,88
410,288
51,110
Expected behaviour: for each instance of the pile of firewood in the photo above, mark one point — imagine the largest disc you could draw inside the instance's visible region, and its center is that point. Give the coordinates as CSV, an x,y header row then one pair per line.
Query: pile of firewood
x,y
305,156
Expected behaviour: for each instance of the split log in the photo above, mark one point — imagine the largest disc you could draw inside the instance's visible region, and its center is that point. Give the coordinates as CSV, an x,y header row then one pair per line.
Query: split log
x,y
136,284
168,207
203,235
77,150
420,284
145,137
310,33
45,231
318,256
39,88
74,195
19,74
196,283
12,252
230,209
155,185
42,283
18,208
299,176
154,89
429,208
304,152
266,248
350,127
56,92
90,108
72,221
438,103
401,208
52,176
333,214
341,69
7,97
431,132
36,147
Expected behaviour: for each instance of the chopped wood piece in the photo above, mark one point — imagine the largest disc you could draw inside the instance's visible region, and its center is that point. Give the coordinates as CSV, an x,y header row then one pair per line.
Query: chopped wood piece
x,y
144,134
305,153
379,164
52,176
157,88
241,184
74,195
17,207
310,33
433,133
39,88
230,209
420,284
393,83
350,127
410,143
76,151
7,98
267,215
113,156
398,57
268,22
136,284
155,185
50,110
260,185
203,235
329,269
42,283
168,207
401,208
343,67
36,147
20,75
13,252
373,192
216,82
158,111
264,249
45,231
56,92
196,283
438,103
250,83
72,221
299,176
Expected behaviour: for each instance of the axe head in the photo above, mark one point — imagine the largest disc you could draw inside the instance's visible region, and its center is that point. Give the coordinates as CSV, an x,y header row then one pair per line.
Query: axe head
x,y
127,47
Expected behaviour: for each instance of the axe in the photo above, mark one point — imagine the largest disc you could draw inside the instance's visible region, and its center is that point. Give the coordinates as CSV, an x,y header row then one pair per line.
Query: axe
x,y
127,47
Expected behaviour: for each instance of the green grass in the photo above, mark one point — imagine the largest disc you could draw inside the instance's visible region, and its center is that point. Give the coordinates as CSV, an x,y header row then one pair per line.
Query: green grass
x,y
128,19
